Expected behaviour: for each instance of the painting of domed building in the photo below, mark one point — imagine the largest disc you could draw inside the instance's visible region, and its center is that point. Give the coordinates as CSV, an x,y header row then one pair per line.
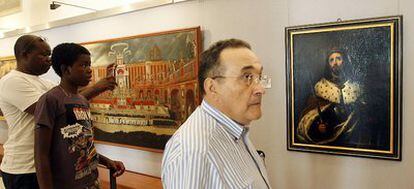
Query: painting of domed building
x,y
157,87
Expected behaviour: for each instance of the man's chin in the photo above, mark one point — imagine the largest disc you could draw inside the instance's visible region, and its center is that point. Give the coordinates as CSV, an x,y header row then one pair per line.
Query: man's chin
x,y
256,114
40,72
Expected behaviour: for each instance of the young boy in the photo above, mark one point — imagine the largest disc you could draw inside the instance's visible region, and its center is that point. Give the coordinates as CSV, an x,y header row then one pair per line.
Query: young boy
x,y
65,155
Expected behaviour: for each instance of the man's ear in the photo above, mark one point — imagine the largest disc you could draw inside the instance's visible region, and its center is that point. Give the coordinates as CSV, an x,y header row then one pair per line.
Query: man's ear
x,y
65,69
24,55
210,86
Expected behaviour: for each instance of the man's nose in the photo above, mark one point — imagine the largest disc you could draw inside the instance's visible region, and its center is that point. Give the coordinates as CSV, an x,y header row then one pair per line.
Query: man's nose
x,y
259,90
49,60
334,64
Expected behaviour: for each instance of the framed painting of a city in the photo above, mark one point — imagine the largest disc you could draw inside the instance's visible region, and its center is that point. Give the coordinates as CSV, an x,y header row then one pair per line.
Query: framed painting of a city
x,y
344,87
7,64
157,88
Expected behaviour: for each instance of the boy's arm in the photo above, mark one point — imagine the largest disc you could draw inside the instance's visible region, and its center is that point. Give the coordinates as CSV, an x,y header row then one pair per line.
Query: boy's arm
x,y
90,92
101,86
117,166
44,115
43,139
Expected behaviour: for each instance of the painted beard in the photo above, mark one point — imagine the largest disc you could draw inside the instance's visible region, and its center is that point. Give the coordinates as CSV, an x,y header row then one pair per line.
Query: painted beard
x,y
338,75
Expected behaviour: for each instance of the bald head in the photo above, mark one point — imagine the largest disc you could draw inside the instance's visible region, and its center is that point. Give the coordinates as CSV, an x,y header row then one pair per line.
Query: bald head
x,y
32,54
25,44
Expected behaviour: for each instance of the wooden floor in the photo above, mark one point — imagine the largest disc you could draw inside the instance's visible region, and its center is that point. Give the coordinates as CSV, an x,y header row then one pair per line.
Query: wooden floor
x,y
130,180
126,181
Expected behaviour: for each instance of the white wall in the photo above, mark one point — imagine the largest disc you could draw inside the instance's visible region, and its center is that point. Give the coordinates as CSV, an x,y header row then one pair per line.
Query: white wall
x,y
305,170
262,22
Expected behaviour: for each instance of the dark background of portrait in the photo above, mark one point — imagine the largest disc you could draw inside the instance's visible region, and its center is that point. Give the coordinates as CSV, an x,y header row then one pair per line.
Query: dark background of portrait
x,y
368,52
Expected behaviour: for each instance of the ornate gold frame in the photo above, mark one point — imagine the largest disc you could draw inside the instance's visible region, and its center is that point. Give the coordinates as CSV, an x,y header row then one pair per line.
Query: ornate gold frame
x,y
327,34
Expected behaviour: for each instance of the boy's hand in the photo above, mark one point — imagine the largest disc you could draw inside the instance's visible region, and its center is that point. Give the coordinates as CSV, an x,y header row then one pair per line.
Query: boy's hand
x,y
116,166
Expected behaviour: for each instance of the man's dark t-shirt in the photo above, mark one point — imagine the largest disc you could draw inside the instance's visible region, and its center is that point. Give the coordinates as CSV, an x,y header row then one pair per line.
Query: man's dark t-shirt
x,y
73,155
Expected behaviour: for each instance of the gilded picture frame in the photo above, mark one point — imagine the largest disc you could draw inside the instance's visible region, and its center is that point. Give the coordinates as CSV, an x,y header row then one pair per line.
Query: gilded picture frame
x,y
7,64
344,87
157,77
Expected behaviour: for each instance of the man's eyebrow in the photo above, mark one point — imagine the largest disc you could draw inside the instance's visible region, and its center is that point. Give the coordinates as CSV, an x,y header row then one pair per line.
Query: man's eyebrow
x,y
247,68
250,68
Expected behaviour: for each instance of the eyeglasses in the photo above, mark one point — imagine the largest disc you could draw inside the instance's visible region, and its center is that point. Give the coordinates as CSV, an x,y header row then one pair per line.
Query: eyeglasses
x,y
264,80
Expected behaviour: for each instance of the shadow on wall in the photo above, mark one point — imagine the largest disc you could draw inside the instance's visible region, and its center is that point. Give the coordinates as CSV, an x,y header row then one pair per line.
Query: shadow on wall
x,y
316,171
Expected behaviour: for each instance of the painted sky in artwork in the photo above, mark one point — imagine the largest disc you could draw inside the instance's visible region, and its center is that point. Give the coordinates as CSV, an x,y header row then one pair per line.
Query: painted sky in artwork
x,y
173,46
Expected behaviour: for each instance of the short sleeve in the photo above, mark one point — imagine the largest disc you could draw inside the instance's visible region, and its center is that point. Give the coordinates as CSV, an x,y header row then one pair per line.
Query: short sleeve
x,y
46,111
19,92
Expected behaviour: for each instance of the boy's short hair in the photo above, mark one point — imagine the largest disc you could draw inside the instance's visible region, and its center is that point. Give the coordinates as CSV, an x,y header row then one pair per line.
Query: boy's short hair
x,y
66,54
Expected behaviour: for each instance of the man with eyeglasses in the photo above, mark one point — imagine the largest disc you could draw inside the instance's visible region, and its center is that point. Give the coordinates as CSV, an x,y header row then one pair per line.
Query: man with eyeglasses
x,y
20,90
212,148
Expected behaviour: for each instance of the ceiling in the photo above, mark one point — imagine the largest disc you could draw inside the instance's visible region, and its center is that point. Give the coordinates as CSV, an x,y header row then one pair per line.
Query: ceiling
x,y
25,16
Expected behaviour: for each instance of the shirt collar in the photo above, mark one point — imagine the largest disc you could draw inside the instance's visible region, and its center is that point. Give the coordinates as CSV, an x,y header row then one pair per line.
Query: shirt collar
x,y
25,74
232,127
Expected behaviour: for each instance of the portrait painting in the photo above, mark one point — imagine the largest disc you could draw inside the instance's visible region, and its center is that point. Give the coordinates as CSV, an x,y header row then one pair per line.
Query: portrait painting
x,y
7,64
344,87
157,87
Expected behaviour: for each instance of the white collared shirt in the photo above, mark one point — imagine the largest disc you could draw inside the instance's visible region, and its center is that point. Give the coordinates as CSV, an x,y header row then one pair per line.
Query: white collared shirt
x,y
212,151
